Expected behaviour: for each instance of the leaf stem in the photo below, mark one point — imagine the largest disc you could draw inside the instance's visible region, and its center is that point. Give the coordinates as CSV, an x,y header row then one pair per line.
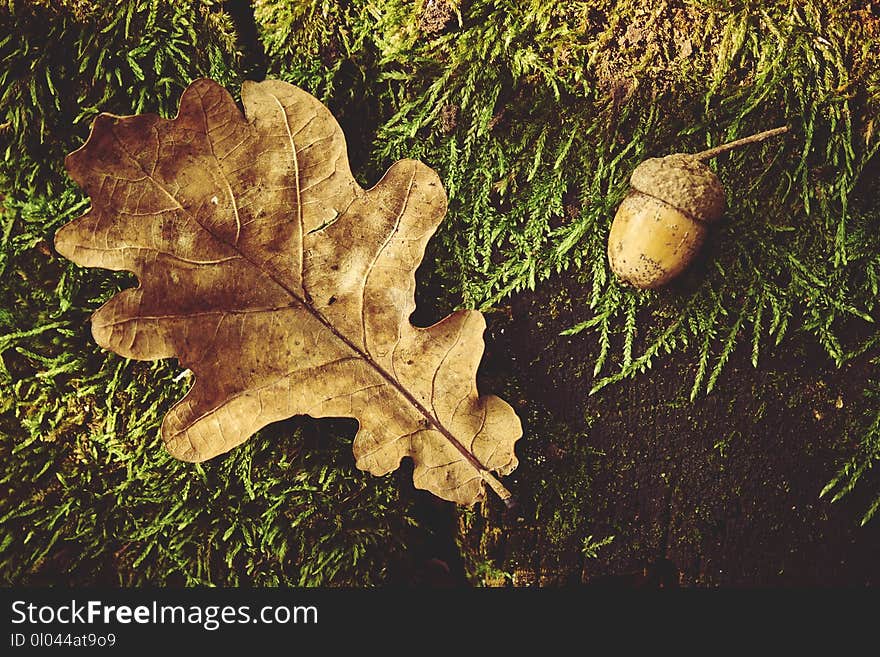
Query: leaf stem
x,y
709,153
496,486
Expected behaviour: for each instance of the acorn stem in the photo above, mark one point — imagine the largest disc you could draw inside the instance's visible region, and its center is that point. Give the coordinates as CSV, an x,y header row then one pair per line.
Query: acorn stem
x,y
709,153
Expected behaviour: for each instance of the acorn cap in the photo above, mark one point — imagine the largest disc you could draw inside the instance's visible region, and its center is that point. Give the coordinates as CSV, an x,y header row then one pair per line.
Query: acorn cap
x,y
684,182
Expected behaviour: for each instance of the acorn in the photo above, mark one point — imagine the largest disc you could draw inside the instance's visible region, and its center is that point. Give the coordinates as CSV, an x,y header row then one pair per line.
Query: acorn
x,y
663,220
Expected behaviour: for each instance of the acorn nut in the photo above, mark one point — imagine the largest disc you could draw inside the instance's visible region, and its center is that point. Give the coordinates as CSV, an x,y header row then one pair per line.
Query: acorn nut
x,y
662,223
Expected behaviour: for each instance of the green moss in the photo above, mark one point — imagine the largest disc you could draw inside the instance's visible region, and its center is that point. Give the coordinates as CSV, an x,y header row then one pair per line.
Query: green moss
x,y
126,57
864,429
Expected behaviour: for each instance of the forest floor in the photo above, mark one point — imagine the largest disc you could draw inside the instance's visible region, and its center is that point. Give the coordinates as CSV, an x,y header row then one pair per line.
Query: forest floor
x,y
721,491
699,471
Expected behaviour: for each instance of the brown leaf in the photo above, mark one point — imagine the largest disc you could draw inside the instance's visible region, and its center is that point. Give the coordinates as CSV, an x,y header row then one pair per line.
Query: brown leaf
x,y
283,285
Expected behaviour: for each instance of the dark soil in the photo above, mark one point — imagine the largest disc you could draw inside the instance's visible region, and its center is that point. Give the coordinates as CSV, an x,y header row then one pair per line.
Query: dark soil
x,y
722,491
254,62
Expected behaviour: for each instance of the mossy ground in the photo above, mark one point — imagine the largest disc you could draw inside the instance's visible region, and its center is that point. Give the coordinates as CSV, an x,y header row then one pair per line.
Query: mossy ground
x,y
719,491
722,405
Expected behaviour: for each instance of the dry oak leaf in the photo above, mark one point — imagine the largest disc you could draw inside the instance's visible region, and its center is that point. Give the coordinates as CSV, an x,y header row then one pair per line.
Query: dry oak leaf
x,y
283,285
